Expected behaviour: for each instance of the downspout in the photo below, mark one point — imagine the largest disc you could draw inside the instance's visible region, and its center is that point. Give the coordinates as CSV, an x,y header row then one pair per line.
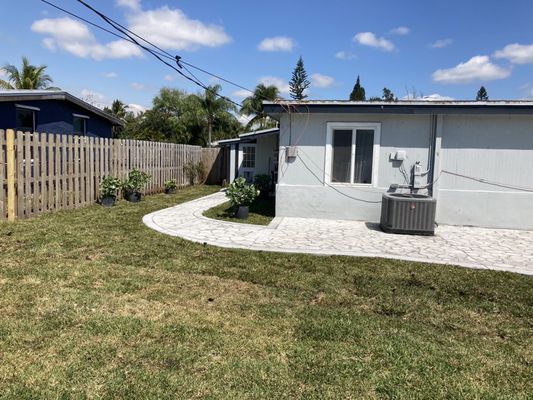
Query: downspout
x,y
432,153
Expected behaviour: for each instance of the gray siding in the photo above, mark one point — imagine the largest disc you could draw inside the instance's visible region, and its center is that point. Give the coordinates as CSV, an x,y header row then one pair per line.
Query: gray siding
x,y
498,148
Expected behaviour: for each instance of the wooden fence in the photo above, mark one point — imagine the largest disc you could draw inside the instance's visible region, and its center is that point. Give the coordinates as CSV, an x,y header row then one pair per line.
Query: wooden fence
x,y
42,172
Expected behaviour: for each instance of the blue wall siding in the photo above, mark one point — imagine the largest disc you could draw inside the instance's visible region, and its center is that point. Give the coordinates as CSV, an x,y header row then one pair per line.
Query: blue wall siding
x,y
55,116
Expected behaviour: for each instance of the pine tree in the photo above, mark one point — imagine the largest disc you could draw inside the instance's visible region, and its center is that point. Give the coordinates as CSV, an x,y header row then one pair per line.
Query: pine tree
x,y
299,82
358,92
482,94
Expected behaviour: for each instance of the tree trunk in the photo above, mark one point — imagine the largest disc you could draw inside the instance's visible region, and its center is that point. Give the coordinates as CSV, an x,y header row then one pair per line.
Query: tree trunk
x,y
209,131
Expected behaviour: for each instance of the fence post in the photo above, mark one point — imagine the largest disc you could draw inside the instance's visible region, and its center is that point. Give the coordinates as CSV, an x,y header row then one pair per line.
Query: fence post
x,y
11,167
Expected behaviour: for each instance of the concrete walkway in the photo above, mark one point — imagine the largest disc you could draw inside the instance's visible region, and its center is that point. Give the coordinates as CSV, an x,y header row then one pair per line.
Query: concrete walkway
x,y
498,249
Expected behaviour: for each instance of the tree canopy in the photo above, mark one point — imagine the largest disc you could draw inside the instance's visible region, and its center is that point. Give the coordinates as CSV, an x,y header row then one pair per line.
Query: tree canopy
x,y
482,94
27,77
299,81
253,106
358,92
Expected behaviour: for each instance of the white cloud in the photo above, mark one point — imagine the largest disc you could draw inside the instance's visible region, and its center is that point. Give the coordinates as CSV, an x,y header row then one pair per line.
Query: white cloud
x,y
345,55
401,30
169,78
136,109
281,84
516,53
431,97
439,44
172,29
110,74
322,81
134,5
74,37
244,119
241,93
370,39
138,86
278,43
478,68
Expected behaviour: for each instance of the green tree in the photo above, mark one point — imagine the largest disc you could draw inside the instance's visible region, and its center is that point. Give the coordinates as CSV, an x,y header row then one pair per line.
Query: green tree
x,y
118,109
214,109
253,105
27,77
299,82
482,94
388,95
358,92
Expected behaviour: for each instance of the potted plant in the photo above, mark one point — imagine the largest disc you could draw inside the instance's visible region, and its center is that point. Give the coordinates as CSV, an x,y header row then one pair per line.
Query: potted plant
x,y
170,186
134,184
109,188
262,183
241,195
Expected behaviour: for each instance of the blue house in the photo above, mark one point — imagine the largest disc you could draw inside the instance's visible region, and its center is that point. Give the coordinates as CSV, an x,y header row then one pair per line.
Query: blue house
x,y
53,111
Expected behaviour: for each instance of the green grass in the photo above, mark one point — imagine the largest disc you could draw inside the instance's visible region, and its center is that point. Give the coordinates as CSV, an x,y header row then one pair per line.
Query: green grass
x,y
262,212
93,304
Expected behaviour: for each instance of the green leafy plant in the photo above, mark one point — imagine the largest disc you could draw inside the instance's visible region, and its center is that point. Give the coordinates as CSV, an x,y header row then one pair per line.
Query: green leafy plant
x,y
262,182
195,172
171,185
110,186
135,182
240,193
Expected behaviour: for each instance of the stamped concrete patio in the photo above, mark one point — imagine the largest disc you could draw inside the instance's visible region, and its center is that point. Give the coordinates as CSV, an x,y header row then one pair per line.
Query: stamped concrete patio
x,y
498,249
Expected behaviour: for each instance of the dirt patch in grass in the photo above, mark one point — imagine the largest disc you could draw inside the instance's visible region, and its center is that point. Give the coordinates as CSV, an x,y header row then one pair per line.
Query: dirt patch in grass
x,y
95,304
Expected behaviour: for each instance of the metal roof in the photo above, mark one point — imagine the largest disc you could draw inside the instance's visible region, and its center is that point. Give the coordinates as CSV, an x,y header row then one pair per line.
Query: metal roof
x,y
402,107
249,136
28,95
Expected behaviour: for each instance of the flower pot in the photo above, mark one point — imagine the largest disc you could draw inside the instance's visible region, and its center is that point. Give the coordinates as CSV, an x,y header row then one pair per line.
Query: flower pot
x,y
242,212
133,197
170,191
108,201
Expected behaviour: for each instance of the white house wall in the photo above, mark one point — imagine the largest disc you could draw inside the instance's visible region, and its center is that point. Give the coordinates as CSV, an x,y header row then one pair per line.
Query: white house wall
x,y
301,191
498,148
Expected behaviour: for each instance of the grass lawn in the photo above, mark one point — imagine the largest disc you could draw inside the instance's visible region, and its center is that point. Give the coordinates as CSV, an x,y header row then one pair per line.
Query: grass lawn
x,y
262,212
94,304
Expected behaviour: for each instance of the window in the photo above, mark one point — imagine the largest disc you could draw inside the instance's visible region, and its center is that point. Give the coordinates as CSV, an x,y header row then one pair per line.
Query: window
x,y
351,153
25,119
248,156
79,124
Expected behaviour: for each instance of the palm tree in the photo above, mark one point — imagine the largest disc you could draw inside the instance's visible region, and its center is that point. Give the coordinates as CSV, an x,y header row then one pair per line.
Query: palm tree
x,y
214,108
28,77
118,109
253,105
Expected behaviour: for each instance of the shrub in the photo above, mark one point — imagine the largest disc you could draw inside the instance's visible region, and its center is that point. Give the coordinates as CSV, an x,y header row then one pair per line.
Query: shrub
x,y
262,182
109,186
171,184
136,181
240,193
195,172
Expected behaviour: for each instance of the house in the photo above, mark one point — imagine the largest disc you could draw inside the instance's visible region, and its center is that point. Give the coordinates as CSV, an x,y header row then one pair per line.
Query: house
x,y
251,154
336,158
53,111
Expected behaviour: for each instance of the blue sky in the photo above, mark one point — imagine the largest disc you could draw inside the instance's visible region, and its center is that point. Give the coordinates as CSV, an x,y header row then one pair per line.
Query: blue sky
x,y
445,48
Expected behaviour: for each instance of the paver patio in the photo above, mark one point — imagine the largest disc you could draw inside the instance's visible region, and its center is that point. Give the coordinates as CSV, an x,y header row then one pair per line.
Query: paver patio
x,y
498,249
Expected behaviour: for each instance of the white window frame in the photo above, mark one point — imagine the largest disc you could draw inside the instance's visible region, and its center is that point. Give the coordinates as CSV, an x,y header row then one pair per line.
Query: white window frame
x,y
242,169
353,126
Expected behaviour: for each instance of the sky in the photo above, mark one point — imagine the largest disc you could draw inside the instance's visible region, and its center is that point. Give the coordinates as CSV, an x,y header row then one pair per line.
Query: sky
x,y
430,49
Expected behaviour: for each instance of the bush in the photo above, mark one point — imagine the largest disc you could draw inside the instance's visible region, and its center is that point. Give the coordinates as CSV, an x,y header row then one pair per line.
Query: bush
x,y
171,184
262,182
240,193
110,186
135,182
195,172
